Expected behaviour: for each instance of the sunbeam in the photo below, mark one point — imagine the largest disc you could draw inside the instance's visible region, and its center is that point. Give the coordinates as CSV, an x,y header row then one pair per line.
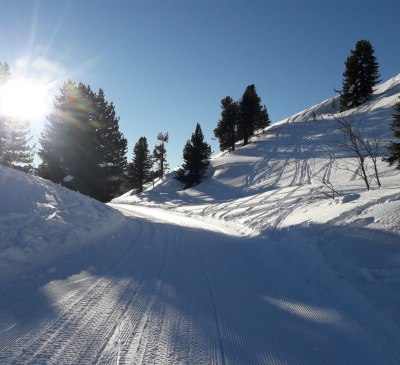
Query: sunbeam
x,y
23,98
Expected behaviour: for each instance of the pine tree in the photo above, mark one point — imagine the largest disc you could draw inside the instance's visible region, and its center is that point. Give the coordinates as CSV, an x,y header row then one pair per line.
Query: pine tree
x,y
196,159
16,152
226,130
394,147
160,155
3,138
69,141
15,135
252,115
5,75
82,147
139,170
112,146
360,76
263,120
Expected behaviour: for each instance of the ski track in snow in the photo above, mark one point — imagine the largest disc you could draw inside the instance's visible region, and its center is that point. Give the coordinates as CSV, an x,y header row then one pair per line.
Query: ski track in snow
x,y
183,286
177,294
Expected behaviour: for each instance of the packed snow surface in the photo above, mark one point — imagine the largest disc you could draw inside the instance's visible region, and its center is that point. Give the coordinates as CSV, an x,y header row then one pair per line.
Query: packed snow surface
x,y
259,264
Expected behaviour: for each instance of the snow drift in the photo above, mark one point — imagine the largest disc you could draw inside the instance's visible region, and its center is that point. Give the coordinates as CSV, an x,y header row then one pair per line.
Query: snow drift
x,y
41,221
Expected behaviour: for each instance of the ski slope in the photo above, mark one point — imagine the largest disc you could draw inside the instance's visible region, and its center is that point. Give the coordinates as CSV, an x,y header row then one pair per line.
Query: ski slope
x,y
169,293
253,266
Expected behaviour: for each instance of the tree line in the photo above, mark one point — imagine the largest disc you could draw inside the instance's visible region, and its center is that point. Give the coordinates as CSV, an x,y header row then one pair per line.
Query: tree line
x,y
83,149
240,119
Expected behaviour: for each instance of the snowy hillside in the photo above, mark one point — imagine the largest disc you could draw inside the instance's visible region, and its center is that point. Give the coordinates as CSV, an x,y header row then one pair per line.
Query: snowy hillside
x,y
41,221
266,184
256,265
273,188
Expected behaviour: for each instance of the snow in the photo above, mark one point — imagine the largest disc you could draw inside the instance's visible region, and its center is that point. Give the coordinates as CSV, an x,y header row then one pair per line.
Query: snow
x,y
41,222
68,178
254,265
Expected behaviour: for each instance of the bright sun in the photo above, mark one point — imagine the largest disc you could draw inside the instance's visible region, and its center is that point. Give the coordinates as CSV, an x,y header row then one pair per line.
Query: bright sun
x,y
23,98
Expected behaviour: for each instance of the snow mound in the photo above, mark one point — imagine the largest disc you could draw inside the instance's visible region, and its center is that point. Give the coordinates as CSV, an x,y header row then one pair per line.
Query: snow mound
x,y
41,221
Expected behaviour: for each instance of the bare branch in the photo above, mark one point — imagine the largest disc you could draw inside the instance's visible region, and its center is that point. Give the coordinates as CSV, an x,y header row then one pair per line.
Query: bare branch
x,y
352,141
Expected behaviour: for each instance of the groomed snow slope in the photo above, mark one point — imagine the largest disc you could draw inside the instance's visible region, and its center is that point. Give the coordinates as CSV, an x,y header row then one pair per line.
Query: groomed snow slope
x,y
253,266
273,189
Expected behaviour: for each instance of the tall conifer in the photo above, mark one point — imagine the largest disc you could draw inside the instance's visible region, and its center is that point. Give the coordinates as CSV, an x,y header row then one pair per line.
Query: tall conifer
x,y
16,152
112,145
15,135
82,147
252,115
226,130
160,155
360,76
139,170
196,159
4,77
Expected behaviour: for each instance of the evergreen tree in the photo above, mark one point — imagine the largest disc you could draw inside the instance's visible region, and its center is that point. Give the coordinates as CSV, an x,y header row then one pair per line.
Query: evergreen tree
x,y
5,73
251,114
394,147
82,147
196,159
69,141
263,120
4,77
3,138
360,76
139,170
226,130
16,152
160,155
112,146
15,135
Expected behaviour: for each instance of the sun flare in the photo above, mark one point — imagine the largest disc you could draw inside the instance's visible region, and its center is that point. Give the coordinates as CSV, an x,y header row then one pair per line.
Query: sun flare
x,y
23,98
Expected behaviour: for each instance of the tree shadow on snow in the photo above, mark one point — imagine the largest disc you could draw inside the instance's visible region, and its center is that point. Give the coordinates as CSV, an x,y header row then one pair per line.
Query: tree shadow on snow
x,y
270,299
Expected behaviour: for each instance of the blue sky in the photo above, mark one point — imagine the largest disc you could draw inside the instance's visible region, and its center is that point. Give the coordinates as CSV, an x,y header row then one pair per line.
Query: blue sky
x,y
167,64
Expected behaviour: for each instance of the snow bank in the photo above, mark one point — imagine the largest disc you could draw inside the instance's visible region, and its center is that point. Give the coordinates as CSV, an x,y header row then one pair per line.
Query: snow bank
x,y
41,221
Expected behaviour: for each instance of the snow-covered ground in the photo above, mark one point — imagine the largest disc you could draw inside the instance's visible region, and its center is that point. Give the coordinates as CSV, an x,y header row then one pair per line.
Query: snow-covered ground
x,y
253,266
